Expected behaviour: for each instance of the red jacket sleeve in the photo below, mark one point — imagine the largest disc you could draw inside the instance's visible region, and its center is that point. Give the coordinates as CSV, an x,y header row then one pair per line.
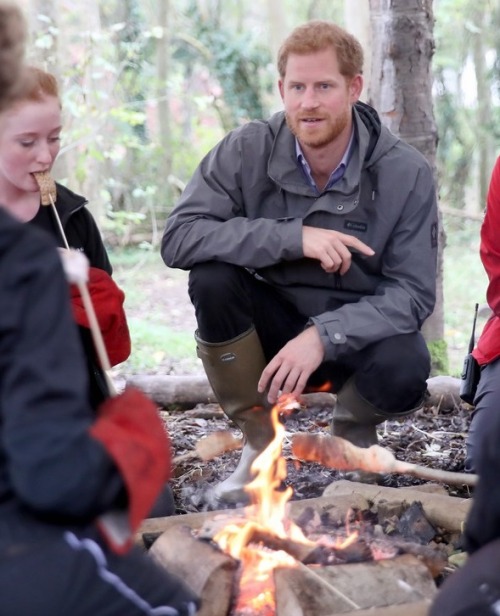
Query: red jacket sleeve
x,y
488,345
490,240
133,434
107,299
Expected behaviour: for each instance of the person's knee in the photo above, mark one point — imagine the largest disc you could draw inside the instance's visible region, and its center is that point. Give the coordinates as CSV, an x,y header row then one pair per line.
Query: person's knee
x,y
394,376
212,281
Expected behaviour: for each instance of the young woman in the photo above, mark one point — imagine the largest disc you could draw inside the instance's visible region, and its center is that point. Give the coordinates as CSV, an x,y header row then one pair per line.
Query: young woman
x,y
30,129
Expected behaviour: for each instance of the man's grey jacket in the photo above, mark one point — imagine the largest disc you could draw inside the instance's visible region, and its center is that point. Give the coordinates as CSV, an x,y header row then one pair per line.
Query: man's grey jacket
x,y
248,200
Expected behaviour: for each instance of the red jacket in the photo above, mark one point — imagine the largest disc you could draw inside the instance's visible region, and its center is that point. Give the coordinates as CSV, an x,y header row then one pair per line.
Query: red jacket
x,y
488,345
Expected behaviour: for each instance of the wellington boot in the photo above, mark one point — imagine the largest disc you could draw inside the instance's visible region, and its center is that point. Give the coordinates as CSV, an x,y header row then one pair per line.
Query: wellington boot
x,y
233,369
355,420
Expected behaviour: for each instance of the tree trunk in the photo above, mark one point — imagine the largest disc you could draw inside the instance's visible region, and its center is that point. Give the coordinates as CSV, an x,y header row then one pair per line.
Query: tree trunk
x,y
278,29
484,113
163,108
357,21
401,91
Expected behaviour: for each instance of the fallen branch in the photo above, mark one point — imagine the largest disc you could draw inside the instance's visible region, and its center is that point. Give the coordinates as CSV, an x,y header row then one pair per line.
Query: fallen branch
x,y
335,452
189,390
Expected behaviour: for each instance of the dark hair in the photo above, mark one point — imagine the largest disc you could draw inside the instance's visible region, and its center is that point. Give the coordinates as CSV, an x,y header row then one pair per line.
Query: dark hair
x,y
12,41
318,35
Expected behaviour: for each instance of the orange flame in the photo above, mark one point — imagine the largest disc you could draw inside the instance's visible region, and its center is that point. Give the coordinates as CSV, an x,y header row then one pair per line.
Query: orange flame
x,y
326,387
268,512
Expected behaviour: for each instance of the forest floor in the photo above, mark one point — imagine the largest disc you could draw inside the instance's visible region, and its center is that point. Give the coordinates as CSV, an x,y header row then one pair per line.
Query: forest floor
x,y
429,438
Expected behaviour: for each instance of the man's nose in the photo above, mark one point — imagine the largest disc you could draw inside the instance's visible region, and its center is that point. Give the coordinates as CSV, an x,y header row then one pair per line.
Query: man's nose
x,y
310,99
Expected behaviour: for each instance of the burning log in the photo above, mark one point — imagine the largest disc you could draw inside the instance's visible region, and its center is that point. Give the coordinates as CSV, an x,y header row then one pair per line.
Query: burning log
x,y
254,533
300,590
207,571
340,497
335,452
307,591
309,552
444,511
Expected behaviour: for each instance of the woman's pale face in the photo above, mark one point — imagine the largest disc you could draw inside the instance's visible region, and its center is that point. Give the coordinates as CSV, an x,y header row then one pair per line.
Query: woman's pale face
x,y
29,142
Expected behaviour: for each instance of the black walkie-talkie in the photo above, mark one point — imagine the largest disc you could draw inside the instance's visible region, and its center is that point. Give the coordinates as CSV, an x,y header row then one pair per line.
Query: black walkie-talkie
x,y
471,370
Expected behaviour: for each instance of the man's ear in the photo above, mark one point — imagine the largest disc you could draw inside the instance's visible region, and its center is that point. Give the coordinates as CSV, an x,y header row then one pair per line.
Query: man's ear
x,y
281,88
356,87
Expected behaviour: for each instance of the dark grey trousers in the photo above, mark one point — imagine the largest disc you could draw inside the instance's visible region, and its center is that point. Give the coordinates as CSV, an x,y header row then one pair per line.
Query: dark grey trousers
x,y
391,374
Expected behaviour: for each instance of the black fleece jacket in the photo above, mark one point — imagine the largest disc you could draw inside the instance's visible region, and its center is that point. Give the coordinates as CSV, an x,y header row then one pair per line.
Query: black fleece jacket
x,y
49,463
82,233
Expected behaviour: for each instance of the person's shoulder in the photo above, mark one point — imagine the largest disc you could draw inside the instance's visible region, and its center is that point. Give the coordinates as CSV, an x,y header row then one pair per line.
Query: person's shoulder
x,y
259,127
68,199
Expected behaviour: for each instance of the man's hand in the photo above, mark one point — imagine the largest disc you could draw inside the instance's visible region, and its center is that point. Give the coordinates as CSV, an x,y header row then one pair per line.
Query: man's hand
x,y
331,248
290,369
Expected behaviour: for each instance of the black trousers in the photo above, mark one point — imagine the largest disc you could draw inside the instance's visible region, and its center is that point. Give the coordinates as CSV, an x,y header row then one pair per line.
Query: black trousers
x,y
391,374
47,570
485,414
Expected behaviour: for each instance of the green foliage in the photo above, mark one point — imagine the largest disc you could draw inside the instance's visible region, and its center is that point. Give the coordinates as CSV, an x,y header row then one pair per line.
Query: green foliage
x,y
220,75
465,284
236,59
155,344
439,357
458,25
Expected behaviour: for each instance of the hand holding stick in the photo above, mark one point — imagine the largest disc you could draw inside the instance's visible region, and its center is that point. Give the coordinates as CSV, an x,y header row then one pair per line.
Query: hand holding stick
x,y
48,194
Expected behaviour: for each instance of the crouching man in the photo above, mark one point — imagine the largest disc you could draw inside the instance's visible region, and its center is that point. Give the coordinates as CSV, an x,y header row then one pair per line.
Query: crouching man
x,y
311,240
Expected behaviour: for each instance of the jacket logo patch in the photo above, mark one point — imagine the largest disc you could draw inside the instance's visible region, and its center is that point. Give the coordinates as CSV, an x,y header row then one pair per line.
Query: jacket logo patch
x,y
352,225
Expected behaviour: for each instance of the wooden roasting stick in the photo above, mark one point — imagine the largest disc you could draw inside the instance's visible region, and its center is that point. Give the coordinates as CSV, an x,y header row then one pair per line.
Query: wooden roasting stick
x,y
48,195
336,452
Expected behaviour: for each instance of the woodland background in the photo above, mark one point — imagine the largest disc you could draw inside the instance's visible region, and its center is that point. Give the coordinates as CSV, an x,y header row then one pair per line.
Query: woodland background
x,y
148,86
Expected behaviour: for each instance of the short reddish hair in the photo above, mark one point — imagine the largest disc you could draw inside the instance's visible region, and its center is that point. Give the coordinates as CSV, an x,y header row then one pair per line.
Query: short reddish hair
x,y
317,35
38,83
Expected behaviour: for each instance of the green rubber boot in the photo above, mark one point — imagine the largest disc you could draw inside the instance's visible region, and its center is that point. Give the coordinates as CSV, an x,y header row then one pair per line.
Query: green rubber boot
x,y
355,420
233,370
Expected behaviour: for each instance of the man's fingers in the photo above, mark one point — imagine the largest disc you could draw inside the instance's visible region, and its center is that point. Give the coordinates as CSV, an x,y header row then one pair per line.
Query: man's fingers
x,y
356,245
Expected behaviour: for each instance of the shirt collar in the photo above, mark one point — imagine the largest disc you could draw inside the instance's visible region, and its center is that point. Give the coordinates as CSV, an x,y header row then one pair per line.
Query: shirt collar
x,y
336,174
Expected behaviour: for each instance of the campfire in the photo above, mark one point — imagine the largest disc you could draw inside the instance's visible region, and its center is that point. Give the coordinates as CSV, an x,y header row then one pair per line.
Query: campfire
x,y
266,516
260,562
